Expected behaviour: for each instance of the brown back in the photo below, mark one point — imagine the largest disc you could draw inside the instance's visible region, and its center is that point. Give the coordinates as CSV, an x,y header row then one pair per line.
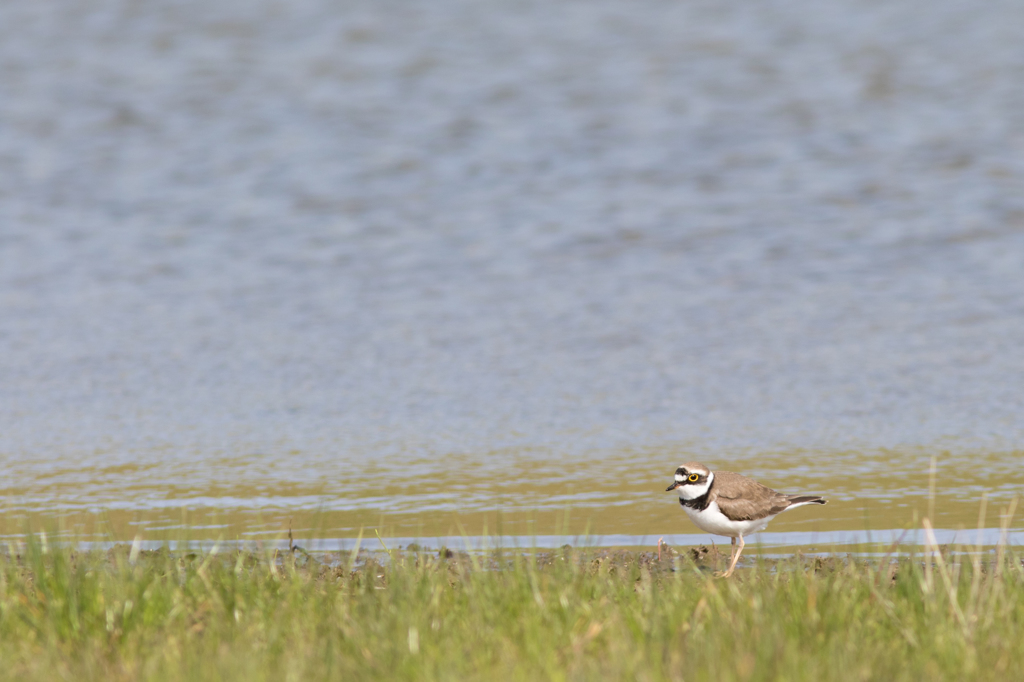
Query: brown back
x,y
744,499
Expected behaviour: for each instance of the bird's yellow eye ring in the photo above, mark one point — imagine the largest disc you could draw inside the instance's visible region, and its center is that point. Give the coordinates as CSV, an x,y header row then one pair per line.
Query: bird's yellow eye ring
x,y
693,478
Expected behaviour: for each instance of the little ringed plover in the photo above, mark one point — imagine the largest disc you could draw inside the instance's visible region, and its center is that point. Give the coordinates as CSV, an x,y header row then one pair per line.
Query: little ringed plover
x,y
724,503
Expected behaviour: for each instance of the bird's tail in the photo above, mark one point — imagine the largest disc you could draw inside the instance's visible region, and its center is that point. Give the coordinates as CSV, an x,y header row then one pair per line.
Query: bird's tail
x,y
800,500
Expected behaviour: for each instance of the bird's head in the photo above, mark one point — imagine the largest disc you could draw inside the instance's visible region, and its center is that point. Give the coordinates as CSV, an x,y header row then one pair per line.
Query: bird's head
x,y
692,480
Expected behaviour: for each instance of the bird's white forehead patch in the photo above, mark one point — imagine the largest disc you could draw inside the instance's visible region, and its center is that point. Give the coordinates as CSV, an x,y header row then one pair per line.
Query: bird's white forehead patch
x,y
679,477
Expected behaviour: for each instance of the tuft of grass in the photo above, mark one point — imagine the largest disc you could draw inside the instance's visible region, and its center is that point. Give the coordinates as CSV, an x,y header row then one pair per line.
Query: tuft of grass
x,y
572,614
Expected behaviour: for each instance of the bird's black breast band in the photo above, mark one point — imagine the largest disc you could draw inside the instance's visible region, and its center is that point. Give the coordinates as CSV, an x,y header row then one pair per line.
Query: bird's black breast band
x,y
699,503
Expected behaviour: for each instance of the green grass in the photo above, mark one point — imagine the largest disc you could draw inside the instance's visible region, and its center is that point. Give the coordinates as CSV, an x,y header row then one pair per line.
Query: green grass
x,y
566,615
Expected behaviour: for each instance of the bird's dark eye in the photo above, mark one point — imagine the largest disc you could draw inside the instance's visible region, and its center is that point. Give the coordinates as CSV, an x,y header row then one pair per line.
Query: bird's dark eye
x,y
693,478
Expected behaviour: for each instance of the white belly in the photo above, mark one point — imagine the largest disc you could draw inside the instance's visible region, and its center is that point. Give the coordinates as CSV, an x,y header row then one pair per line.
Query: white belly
x,y
712,520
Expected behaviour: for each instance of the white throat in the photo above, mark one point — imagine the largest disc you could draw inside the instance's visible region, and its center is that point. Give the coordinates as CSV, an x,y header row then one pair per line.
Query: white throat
x,y
692,492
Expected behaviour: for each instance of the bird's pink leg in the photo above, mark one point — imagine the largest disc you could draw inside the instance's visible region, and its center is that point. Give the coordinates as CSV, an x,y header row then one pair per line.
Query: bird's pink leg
x,y
735,558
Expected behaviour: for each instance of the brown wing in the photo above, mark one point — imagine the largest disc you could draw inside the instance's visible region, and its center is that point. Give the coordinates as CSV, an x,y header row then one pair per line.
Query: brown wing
x,y
746,499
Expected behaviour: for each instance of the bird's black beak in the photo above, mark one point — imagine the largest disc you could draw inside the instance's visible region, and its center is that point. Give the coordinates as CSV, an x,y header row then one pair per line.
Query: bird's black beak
x,y
674,485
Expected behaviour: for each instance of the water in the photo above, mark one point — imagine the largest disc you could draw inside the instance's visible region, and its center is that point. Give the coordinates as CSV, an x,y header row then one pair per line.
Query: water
x,y
411,265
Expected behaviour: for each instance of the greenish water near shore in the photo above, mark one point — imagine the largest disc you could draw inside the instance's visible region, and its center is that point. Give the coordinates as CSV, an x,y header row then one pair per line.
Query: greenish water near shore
x,y
519,495
569,614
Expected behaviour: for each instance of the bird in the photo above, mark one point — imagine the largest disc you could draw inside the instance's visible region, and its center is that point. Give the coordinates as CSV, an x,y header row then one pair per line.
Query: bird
x,y
724,503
